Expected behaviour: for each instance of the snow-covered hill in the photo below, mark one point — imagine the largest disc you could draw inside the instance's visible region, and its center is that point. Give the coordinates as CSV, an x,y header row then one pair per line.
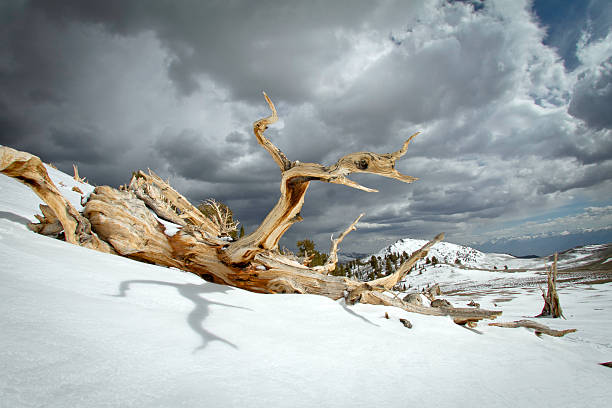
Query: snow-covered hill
x,y
86,329
461,268
445,252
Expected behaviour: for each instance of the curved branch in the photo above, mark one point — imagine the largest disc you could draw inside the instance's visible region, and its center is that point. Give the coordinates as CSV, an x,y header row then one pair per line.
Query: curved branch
x,y
296,177
404,148
260,127
29,170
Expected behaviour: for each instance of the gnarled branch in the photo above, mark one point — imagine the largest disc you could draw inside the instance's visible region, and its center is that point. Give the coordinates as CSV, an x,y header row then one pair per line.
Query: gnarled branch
x,y
295,179
260,126
29,170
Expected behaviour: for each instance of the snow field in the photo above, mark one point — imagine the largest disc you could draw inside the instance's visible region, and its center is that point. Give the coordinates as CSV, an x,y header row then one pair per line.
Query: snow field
x,y
86,329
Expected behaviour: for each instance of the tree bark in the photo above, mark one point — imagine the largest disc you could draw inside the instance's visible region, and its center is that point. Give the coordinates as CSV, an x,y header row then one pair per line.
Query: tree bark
x,y
123,222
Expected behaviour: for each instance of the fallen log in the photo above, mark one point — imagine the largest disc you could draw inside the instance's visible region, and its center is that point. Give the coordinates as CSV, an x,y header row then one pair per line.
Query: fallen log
x,y
126,222
539,328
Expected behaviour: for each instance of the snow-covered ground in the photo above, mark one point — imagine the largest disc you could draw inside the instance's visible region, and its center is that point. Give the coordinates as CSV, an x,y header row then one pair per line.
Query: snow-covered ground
x,y
86,329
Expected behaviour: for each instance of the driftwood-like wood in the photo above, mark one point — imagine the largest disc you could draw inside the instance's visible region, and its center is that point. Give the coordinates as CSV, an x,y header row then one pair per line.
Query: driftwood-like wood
x,y
295,179
126,222
29,170
48,224
332,259
76,176
539,328
552,306
167,203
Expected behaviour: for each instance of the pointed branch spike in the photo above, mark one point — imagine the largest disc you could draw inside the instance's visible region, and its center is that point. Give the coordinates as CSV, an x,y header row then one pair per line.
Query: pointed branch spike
x,y
332,260
404,148
350,183
274,117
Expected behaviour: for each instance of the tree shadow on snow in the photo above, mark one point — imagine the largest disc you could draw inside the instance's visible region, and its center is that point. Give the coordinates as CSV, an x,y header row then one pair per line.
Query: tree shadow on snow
x,y
352,312
14,217
200,311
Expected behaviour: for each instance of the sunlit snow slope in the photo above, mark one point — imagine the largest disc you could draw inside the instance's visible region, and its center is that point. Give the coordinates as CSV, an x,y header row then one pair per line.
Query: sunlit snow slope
x,y
85,329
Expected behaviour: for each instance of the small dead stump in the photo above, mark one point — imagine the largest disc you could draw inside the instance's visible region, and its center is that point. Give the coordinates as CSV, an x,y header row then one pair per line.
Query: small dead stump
x,y
552,307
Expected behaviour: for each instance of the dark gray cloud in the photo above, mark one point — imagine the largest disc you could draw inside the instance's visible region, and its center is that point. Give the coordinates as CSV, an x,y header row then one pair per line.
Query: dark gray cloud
x,y
508,131
592,97
243,45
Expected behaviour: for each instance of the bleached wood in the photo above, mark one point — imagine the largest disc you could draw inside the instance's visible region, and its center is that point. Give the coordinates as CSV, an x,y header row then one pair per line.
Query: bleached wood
x,y
169,204
332,259
538,327
29,170
552,306
125,225
295,179
76,176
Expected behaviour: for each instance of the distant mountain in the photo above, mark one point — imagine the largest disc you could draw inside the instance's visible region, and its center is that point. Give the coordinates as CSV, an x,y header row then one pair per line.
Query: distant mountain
x,y
389,258
454,258
351,256
445,252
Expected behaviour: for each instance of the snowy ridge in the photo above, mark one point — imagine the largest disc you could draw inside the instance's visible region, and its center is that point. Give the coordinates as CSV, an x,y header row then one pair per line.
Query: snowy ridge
x,y
445,252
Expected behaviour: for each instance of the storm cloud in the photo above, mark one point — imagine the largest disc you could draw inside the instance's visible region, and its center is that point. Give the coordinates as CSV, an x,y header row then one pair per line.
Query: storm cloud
x,y
512,99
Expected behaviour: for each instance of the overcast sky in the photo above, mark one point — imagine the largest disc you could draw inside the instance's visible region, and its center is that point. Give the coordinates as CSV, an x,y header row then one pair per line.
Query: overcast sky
x,y
513,99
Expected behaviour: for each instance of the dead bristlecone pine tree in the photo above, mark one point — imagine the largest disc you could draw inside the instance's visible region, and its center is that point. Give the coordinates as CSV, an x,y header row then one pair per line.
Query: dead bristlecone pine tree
x,y
119,221
552,307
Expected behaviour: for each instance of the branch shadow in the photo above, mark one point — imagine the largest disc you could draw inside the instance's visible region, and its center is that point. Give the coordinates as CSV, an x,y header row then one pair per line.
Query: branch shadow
x,y
352,312
14,217
200,312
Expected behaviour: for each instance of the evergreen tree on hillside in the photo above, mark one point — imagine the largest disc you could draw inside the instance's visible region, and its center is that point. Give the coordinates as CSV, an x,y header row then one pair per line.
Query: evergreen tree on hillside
x,y
388,265
306,248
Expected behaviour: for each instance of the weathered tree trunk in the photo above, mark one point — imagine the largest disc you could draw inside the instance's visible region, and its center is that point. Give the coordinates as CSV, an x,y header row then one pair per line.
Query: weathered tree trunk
x,y
552,307
29,170
123,223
